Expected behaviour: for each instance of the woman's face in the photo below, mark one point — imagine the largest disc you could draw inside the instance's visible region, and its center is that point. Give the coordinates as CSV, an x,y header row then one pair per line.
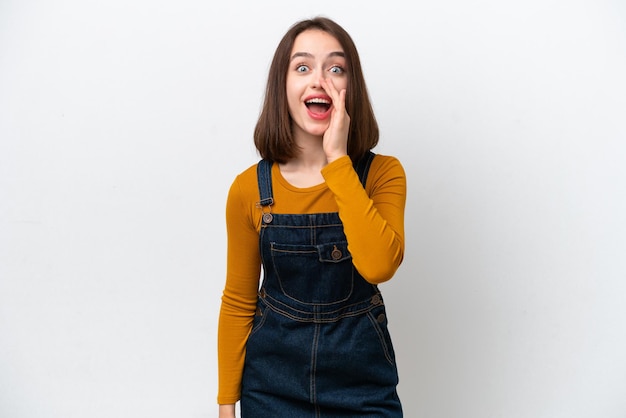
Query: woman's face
x,y
315,55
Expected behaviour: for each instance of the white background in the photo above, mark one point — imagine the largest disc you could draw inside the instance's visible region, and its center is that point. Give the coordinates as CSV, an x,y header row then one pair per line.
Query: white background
x,y
123,123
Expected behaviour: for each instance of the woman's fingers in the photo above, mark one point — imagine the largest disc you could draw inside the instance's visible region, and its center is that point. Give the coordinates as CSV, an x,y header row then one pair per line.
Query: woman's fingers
x,y
336,136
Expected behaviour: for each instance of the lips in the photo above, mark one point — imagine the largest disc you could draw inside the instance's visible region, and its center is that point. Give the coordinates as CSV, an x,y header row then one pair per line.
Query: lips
x,y
318,107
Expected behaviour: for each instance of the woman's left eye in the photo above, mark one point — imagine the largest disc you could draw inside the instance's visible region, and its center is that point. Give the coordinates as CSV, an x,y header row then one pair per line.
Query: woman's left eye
x,y
336,69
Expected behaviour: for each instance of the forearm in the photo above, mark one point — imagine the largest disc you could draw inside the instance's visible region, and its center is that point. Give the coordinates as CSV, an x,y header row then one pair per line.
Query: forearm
x,y
227,411
235,322
239,297
374,225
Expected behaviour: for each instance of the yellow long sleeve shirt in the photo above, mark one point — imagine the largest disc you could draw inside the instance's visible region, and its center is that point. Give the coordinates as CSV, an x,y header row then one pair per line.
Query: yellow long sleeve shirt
x,y
373,221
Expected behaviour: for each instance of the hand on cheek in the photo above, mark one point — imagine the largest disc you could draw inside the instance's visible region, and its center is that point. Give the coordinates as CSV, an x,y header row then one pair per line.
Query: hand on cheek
x,y
336,136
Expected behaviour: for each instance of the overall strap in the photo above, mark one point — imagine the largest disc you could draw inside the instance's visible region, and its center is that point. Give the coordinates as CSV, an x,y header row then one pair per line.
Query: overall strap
x,y
362,167
264,178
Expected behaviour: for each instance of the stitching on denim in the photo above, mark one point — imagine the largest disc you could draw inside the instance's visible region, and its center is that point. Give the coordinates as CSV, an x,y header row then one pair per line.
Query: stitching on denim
x,y
318,319
294,251
323,318
280,282
337,312
261,322
314,343
381,337
261,233
298,226
319,250
264,180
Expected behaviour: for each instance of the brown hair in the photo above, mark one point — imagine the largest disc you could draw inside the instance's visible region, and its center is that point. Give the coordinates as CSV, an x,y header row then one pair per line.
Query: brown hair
x,y
273,135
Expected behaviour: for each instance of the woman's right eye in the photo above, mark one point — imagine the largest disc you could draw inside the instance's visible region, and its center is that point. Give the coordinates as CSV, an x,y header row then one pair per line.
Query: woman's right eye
x,y
301,68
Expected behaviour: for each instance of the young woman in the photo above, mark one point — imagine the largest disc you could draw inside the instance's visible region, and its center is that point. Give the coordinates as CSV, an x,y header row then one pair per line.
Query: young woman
x,y
324,217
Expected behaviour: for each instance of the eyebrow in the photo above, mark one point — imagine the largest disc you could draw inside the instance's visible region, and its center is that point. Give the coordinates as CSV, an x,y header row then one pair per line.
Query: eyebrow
x,y
309,55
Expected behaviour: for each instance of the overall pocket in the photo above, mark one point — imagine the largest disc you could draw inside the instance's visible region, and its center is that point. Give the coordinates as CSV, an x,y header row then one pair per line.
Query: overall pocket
x,y
378,321
259,317
320,274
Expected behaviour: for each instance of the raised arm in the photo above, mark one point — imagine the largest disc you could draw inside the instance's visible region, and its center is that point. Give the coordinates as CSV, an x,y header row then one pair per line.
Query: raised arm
x,y
374,222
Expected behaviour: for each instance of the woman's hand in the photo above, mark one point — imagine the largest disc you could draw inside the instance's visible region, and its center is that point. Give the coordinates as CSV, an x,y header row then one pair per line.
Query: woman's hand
x,y
335,140
227,411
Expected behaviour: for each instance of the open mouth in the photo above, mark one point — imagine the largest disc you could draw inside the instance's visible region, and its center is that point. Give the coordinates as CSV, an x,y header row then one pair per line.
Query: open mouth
x,y
318,105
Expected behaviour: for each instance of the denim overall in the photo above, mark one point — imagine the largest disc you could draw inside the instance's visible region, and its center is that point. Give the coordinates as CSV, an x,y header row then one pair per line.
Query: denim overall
x,y
319,345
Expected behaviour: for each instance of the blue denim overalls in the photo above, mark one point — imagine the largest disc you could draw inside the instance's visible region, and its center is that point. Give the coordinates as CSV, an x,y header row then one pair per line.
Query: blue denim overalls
x,y
319,345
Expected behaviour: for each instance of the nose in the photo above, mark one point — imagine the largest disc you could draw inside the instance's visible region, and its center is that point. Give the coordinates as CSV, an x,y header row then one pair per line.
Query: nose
x,y
316,83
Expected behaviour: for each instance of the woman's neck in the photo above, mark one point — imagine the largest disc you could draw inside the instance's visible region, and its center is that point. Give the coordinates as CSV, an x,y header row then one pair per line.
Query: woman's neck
x,y
304,170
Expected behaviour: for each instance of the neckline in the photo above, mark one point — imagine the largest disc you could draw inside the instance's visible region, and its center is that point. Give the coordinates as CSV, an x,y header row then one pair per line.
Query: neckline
x,y
284,183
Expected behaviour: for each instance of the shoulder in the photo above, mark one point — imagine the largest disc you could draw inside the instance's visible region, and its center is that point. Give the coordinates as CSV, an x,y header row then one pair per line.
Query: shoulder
x,y
386,174
244,186
385,168
248,175
386,162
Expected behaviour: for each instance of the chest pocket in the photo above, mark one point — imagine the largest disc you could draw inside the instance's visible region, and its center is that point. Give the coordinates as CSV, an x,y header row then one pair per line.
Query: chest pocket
x,y
314,274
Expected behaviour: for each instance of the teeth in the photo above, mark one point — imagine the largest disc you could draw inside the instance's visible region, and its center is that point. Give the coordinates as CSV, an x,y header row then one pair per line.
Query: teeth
x,y
318,100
